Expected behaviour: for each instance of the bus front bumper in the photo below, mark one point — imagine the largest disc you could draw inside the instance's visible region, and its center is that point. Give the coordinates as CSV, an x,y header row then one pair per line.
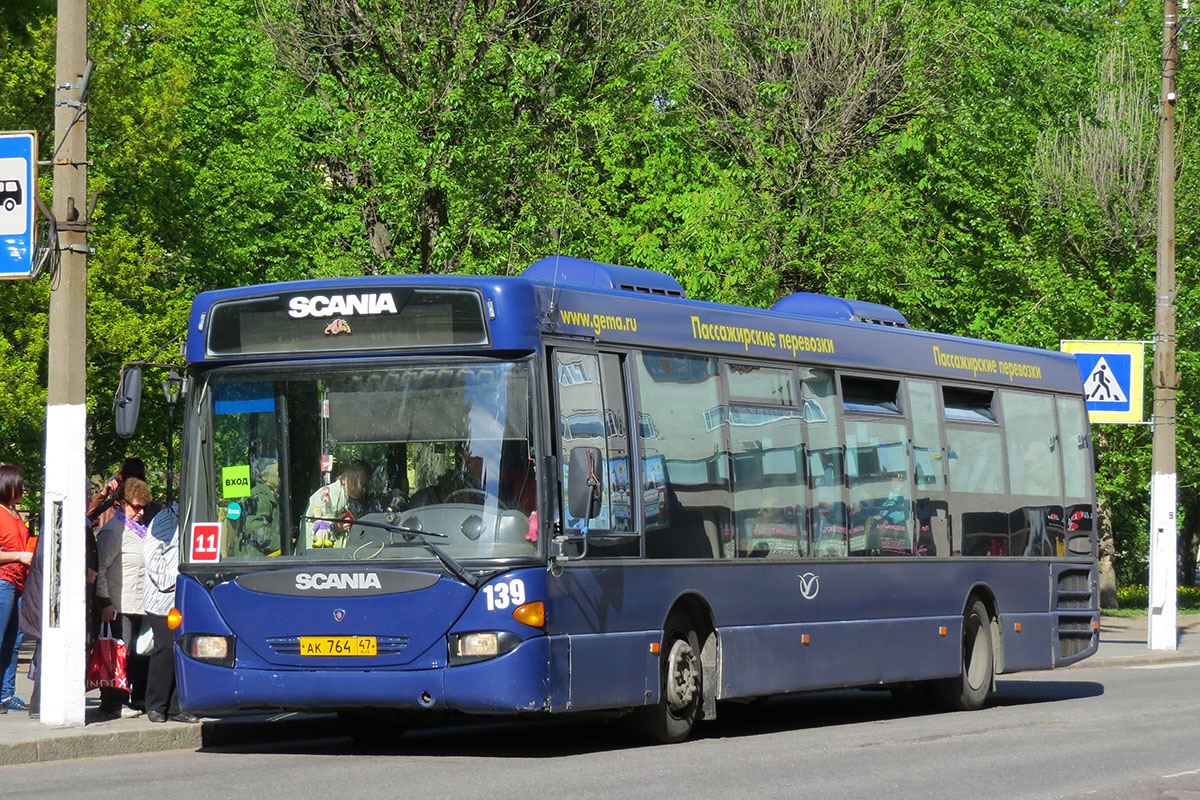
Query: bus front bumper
x,y
512,683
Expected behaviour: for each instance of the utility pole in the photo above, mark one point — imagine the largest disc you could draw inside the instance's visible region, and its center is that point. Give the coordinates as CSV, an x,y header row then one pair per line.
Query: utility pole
x,y
63,599
1163,484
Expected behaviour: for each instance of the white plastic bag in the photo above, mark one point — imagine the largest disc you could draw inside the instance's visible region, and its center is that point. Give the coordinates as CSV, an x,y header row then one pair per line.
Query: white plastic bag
x,y
144,645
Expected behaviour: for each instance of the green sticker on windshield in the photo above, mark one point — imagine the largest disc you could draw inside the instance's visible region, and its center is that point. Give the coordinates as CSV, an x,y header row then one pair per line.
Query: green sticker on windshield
x,y
235,481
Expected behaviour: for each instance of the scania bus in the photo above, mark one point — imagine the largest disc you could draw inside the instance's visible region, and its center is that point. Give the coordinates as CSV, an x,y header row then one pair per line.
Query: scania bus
x,y
577,490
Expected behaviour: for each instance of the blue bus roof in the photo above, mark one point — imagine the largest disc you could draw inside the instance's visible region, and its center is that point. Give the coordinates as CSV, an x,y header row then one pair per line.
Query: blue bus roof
x,y
560,296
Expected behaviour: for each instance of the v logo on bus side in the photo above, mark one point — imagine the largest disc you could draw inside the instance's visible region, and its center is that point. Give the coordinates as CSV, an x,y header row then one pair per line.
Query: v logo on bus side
x,y
810,584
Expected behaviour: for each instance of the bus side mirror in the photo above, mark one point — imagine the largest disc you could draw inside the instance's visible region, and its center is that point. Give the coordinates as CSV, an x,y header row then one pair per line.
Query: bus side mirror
x,y
583,483
128,401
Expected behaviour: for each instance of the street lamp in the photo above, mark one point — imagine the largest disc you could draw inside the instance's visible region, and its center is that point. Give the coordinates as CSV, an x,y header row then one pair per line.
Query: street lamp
x,y
171,386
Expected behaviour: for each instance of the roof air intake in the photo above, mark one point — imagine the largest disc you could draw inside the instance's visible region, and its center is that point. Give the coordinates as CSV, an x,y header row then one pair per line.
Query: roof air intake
x,y
566,271
808,304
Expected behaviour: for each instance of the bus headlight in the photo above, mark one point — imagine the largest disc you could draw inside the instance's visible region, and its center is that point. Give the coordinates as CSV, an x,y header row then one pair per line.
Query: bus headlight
x,y
468,648
208,647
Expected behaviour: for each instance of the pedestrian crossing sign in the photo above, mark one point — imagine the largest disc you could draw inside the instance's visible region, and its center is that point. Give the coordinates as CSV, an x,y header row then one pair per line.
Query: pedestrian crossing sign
x,y
1112,378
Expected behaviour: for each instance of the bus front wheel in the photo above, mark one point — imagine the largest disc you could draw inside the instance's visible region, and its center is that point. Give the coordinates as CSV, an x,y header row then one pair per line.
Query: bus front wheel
x,y
970,688
681,681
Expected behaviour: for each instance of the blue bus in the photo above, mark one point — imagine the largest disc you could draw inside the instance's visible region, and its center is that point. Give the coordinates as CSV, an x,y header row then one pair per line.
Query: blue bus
x,y
576,490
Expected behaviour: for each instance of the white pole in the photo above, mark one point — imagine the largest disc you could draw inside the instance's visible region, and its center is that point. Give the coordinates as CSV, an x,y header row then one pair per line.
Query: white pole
x,y
63,599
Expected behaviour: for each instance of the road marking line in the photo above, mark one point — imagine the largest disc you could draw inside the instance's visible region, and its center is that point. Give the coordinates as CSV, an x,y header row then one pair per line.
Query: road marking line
x,y
1175,665
1181,774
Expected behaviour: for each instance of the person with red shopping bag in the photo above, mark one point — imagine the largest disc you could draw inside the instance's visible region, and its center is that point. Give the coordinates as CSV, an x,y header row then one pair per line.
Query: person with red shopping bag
x,y
122,572
15,556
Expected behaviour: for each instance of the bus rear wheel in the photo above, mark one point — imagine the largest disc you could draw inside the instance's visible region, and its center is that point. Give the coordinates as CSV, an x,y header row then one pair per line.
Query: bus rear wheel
x,y
969,690
681,682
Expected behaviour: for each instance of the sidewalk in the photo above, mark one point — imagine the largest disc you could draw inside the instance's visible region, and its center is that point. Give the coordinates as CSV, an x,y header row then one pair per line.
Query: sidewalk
x,y
23,741
1123,641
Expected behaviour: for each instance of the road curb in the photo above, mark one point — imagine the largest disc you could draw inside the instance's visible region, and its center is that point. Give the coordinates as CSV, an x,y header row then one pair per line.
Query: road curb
x,y
69,743
81,743
1166,657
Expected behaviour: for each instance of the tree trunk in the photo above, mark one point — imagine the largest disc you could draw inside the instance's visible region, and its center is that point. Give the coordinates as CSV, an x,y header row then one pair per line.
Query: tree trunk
x,y
1108,576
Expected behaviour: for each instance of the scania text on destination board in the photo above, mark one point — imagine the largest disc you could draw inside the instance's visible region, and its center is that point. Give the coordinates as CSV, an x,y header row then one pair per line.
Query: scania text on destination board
x,y
976,365
345,305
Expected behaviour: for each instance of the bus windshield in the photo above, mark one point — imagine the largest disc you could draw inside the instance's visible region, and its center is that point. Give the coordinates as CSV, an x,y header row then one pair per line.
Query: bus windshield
x,y
296,456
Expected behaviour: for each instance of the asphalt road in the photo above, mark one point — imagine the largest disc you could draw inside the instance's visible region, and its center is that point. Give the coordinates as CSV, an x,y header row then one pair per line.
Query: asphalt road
x,y
1118,732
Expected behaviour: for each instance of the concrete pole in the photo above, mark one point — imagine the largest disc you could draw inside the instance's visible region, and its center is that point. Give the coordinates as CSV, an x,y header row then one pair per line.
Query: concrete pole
x,y
63,598
1163,484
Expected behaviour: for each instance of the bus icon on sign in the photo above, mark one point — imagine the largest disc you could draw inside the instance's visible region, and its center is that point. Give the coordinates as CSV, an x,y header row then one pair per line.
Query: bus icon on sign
x,y
10,194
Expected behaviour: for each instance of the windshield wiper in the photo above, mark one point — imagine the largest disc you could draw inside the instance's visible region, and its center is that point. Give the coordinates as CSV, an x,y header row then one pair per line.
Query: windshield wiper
x,y
452,566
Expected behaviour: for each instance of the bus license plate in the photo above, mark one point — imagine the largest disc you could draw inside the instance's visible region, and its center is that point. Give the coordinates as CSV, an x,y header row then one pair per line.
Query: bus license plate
x,y
338,646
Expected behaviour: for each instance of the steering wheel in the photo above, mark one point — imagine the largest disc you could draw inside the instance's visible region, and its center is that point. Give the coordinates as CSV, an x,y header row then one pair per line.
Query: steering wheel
x,y
477,497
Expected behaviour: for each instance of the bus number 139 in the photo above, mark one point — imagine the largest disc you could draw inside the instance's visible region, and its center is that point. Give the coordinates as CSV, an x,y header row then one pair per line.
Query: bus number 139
x,y
502,595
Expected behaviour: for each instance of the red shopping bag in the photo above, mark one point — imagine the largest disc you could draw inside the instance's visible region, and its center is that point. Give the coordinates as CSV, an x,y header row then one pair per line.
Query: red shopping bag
x,y
106,666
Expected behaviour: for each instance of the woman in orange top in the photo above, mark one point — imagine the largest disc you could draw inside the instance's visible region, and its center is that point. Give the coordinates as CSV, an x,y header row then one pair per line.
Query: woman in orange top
x,y
15,556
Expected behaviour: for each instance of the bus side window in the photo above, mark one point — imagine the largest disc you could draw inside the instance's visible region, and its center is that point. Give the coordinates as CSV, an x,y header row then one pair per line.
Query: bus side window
x,y
1035,475
826,464
686,497
931,509
1077,476
591,410
761,413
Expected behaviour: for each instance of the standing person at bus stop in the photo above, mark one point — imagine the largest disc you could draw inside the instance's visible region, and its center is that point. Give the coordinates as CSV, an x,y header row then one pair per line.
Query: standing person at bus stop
x,y
14,564
30,615
161,553
122,571
104,504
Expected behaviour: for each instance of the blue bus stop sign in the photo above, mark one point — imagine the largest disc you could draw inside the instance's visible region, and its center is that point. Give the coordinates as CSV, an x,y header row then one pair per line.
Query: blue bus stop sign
x,y
18,187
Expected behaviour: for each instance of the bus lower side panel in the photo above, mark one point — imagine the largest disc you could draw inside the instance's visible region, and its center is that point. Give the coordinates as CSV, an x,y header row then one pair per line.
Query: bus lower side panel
x,y
600,671
768,659
758,660
619,670
515,682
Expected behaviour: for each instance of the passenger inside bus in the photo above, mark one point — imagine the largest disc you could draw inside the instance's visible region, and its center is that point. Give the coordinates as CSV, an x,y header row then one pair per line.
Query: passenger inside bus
x,y
260,513
348,498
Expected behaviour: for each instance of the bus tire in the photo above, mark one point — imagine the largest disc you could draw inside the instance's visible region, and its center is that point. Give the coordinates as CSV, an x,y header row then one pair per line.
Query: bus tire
x,y
680,684
969,690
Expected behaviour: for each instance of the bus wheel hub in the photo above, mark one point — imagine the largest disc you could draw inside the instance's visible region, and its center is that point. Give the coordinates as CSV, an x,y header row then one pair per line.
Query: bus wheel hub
x,y
681,675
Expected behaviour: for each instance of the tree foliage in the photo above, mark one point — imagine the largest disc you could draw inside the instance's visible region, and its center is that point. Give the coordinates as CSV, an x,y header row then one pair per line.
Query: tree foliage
x,y
988,168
